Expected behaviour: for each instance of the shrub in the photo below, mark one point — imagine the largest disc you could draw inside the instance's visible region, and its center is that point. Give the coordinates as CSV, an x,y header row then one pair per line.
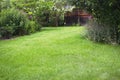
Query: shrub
x,y
100,32
14,19
6,31
15,23
56,18
32,27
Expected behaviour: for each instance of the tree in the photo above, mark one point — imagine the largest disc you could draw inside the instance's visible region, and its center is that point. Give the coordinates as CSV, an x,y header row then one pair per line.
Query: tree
x,y
77,3
4,4
105,12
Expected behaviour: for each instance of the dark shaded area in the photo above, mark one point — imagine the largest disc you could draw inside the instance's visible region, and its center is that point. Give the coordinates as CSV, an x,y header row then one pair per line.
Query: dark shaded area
x,y
77,16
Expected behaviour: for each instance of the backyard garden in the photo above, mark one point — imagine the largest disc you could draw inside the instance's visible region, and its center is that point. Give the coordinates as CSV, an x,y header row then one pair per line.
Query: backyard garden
x,y
47,40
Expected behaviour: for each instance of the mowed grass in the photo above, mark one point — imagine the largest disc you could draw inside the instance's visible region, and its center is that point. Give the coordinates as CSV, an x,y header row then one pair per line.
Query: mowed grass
x,y
58,54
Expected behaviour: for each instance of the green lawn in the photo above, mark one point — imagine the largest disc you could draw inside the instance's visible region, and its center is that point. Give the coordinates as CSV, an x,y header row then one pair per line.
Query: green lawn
x,y
58,54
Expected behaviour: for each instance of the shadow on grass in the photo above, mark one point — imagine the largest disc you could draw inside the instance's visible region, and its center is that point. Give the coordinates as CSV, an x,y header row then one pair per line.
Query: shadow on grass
x,y
49,28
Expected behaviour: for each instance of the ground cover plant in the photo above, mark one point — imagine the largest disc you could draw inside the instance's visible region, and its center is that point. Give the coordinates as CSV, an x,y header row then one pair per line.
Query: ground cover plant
x,y
60,53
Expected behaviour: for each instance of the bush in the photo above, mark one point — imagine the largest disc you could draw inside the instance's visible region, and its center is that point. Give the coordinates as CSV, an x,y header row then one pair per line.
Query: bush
x,y
15,23
56,18
14,19
6,32
100,32
32,27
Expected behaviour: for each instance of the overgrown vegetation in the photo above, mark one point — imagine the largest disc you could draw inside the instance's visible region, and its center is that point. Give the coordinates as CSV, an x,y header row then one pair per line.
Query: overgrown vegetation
x,y
100,32
105,13
15,23
20,17
46,13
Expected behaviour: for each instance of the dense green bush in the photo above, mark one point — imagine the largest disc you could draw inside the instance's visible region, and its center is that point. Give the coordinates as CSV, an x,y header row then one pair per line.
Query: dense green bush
x,y
6,31
15,23
14,19
32,27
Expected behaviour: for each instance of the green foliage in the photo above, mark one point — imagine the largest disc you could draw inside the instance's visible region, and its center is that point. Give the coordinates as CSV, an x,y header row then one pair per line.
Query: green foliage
x,y
13,18
6,31
49,13
28,16
43,11
105,12
15,23
78,3
56,18
32,27
99,32
26,6
5,4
